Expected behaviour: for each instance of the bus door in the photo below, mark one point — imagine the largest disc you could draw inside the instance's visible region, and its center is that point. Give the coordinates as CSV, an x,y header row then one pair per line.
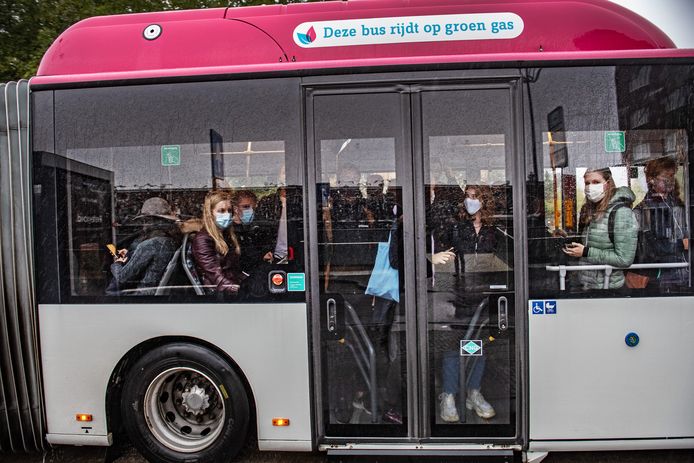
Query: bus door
x,y
413,293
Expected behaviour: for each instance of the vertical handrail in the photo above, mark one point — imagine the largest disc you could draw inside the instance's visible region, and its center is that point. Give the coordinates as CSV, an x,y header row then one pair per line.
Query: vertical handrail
x,y
370,355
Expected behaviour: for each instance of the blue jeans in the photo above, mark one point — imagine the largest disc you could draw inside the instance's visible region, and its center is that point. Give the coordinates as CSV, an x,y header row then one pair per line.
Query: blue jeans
x,y
451,369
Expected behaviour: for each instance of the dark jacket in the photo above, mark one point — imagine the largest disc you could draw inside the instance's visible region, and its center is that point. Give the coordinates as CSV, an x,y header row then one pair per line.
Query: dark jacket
x,y
255,241
662,229
475,275
470,242
144,268
222,272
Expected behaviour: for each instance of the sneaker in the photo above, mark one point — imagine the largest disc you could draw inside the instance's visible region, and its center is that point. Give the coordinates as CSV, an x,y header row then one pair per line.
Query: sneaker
x,y
449,413
475,400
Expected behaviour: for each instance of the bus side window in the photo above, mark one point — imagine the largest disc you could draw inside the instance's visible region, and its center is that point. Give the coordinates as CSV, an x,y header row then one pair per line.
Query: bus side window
x,y
642,142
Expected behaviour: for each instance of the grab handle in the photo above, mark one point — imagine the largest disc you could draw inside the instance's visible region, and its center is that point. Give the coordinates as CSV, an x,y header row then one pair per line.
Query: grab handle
x,y
502,306
331,307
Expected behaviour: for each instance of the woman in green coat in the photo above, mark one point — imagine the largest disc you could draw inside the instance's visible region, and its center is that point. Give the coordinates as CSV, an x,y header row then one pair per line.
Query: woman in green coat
x,y
603,198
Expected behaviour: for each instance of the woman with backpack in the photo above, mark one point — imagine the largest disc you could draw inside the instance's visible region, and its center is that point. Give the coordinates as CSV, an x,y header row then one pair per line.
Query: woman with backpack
x,y
608,240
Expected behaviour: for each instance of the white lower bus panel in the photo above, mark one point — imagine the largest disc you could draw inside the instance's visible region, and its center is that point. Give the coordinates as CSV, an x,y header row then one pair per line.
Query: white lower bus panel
x,y
81,345
587,384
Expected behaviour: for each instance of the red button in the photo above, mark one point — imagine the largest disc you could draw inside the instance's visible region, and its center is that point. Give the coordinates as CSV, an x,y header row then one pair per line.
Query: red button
x,y
277,279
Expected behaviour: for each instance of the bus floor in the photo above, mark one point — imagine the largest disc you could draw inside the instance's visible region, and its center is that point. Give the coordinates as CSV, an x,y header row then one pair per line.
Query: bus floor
x,y
130,455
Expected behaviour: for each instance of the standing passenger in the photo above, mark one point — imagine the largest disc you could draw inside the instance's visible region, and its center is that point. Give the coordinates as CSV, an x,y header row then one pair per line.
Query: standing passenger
x,y
476,237
215,248
662,225
603,198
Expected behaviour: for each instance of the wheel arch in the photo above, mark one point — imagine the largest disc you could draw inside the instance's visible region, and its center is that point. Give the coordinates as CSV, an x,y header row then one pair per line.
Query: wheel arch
x,y
114,420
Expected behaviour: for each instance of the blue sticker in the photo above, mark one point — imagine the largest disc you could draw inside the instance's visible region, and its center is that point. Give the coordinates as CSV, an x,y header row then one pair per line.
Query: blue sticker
x,y
551,307
538,307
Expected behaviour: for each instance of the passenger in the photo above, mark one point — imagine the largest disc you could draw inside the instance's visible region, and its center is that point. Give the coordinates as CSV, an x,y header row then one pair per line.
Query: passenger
x,y
144,265
215,248
662,225
602,196
377,204
256,241
281,212
477,236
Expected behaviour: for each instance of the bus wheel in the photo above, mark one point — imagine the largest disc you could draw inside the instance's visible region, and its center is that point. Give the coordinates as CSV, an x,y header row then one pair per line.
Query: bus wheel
x,y
183,402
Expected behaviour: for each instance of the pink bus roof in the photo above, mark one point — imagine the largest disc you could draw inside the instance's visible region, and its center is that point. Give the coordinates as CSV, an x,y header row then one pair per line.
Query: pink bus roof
x,y
343,34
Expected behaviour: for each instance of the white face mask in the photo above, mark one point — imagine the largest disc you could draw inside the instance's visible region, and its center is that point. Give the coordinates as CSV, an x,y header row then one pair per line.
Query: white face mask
x,y
472,205
595,192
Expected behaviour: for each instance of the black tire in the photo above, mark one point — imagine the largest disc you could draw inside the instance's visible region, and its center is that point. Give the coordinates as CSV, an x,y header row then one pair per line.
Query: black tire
x,y
185,403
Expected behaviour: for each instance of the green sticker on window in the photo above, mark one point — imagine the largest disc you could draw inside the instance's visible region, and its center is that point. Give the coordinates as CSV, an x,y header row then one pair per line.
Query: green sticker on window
x,y
171,155
615,142
296,282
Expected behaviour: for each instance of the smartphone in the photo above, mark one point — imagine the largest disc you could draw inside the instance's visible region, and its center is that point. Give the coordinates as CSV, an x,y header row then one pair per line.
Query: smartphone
x,y
111,248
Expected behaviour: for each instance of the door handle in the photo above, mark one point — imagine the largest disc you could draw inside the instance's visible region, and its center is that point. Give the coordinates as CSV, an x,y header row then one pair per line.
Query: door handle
x,y
502,306
331,308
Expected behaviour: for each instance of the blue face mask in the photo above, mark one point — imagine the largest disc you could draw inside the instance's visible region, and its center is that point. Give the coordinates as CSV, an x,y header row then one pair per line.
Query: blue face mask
x,y
223,220
247,216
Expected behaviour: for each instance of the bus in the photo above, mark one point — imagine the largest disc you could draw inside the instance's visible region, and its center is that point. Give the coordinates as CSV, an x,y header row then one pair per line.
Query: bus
x,y
365,227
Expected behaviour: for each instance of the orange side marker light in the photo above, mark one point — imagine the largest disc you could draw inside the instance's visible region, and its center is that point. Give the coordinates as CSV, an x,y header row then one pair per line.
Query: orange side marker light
x,y
280,421
83,417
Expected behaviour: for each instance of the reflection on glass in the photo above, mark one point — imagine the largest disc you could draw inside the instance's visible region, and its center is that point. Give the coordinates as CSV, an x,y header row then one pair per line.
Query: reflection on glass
x,y
180,177
467,208
627,155
359,250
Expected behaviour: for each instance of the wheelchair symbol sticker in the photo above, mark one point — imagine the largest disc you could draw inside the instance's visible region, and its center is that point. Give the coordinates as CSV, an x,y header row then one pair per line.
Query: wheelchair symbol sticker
x,y
538,307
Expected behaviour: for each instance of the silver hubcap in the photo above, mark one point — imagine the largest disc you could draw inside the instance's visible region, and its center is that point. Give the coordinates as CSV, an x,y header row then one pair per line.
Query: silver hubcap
x,y
184,409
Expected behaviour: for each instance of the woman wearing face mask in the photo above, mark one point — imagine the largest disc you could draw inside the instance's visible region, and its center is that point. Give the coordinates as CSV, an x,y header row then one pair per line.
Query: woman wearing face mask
x,y
476,237
602,196
662,224
215,248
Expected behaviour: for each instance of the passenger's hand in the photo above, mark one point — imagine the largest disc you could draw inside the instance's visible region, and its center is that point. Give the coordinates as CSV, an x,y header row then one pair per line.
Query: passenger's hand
x,y
574,249
268,257
230,289
442,257
121,256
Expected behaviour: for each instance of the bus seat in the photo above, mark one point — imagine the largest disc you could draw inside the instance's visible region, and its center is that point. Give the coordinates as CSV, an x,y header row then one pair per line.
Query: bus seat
x,y
189,265
163,288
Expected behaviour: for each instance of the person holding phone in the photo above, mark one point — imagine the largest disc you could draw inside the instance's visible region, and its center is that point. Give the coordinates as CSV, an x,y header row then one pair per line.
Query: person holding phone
x,y
602,199
139,271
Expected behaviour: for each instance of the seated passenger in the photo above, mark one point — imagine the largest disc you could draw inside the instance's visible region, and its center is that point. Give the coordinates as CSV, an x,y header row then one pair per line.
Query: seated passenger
x,y
144,265
603,198
662,225
257,242
215,248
